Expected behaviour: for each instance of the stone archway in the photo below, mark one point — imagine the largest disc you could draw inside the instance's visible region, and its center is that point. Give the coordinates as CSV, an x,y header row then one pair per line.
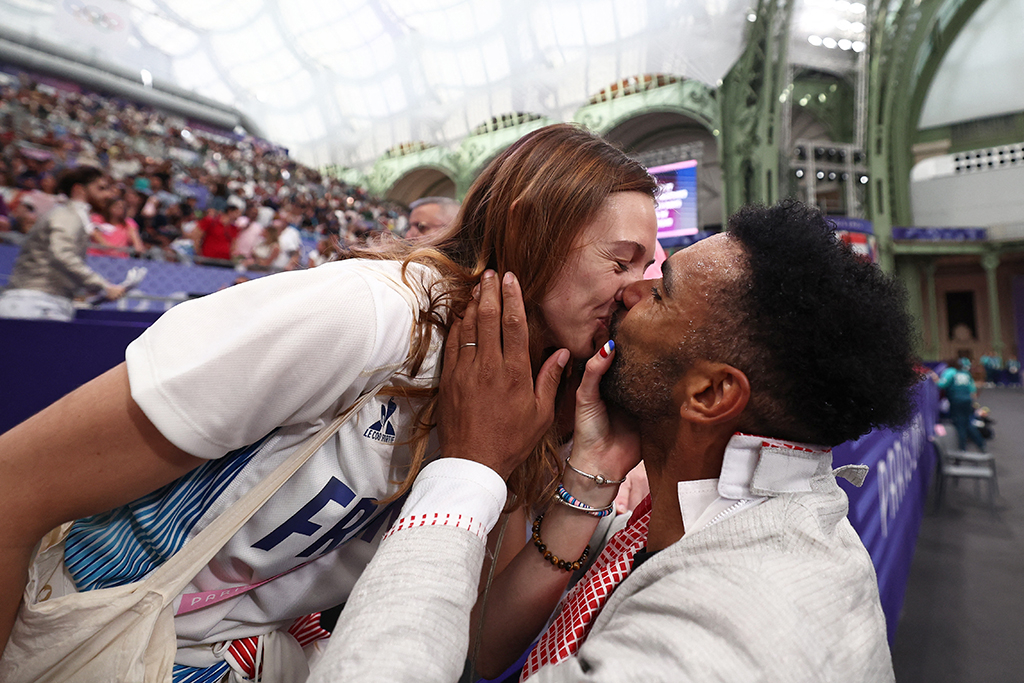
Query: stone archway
x,y
421,182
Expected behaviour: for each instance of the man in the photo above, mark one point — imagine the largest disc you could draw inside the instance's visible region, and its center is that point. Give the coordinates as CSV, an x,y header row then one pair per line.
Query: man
x,y
51,266
753,346
961,391
14,229
250,232
216,232
430,215
290,242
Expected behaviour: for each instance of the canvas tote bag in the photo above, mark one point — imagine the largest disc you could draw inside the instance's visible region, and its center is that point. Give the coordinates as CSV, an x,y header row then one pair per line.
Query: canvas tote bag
x,y
124,634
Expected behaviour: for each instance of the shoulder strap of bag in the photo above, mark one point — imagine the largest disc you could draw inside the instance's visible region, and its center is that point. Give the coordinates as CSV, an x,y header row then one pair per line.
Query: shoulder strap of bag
x,y
172,576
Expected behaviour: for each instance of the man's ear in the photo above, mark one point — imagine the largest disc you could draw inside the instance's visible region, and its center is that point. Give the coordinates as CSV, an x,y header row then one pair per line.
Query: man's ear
x,y
712,393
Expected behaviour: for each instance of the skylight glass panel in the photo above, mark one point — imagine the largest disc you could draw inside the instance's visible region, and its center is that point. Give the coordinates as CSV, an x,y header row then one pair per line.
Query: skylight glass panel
x,y
166,35
599,25
195,71
146,6
441,67
372,99
495,58
567,25
285,92
471,64
630,17
268,68
217,90
311,123
444,25
218,15
454,22
260,39
300,16
364,58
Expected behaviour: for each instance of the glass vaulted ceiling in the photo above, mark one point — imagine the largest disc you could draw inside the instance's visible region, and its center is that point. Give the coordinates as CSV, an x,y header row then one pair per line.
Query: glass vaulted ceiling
x,y
342,81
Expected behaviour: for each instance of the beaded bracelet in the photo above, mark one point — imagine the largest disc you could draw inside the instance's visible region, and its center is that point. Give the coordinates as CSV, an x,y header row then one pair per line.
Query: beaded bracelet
x,y
601,481
553,559
565,498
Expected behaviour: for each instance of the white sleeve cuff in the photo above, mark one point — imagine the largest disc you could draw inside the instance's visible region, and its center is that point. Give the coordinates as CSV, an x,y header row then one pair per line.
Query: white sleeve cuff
x,y
454,492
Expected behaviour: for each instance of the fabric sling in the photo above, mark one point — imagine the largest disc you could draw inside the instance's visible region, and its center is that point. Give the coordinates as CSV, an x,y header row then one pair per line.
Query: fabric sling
x,y
126,633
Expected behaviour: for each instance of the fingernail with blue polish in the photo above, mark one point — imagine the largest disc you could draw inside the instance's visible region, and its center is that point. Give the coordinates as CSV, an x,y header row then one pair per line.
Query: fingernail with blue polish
x,y
607,348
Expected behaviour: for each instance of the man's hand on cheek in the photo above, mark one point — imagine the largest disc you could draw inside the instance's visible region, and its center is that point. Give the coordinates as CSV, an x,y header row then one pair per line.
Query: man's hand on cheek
x,y
490,410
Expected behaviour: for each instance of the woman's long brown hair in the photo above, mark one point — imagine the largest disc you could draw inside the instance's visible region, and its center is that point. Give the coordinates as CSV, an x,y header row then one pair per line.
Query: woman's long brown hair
x,y
523,214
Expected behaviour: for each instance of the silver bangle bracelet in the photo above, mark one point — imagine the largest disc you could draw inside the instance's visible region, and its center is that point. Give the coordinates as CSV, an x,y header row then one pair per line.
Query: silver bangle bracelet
x,y
596,478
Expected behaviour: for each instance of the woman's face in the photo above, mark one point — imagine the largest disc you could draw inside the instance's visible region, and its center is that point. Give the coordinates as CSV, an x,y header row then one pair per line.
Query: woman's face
x,y
610,254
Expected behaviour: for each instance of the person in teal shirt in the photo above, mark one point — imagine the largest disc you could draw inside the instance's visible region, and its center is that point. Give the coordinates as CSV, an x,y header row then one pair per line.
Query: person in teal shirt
x,y
961,391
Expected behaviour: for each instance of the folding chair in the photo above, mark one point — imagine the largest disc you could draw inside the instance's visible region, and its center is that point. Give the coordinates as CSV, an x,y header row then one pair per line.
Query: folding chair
x,y
957,464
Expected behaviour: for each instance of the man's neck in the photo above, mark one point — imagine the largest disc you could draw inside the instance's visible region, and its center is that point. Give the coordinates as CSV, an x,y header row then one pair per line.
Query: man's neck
x,y
693,456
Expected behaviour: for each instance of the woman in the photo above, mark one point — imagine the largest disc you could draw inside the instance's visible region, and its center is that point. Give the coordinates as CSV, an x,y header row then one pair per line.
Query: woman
x,y
266,252
115,233
221,388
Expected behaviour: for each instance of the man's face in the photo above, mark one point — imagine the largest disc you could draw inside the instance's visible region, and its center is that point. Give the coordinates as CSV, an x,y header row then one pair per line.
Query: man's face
x,y
99,193
655,336
427,219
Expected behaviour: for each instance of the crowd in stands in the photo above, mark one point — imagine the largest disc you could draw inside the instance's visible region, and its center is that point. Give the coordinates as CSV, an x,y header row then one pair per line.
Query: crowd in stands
x,y
185,191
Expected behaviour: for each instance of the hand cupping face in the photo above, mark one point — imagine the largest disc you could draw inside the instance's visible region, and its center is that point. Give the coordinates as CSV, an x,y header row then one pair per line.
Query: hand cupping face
x,y
490,409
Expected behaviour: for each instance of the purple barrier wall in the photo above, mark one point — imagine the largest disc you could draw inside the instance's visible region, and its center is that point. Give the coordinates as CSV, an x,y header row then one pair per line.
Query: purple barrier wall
x,y
44,360
886,511
163,279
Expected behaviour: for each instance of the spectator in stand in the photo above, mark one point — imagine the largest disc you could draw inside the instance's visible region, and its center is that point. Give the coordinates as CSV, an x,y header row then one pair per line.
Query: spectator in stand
x,y
161,156
48,183
1013,371
250,232
159,235
115,234
20,220
265,254
327,249
290,242
5,214
159,184
219,195
51,267
430,216
993,365
214,234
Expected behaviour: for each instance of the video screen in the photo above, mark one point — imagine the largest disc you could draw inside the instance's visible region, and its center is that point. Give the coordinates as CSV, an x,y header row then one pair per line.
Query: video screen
x,y
677,202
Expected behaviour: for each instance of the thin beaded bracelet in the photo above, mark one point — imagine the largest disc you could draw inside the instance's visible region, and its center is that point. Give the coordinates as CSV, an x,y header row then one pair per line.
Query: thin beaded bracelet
x,y
553,559
565,498
597,478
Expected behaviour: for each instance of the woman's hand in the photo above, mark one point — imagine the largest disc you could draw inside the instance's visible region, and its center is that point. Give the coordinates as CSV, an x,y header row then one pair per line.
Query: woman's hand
x,y
489,409
604,443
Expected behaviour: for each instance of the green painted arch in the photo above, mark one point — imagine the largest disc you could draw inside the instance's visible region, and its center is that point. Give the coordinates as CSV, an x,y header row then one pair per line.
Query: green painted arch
x,y
929,44
386,173
689,98
476,151
401,190
462,164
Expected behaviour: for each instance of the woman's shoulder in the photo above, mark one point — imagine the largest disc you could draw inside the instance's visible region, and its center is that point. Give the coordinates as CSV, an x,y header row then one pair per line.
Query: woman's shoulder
x,y
410,276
